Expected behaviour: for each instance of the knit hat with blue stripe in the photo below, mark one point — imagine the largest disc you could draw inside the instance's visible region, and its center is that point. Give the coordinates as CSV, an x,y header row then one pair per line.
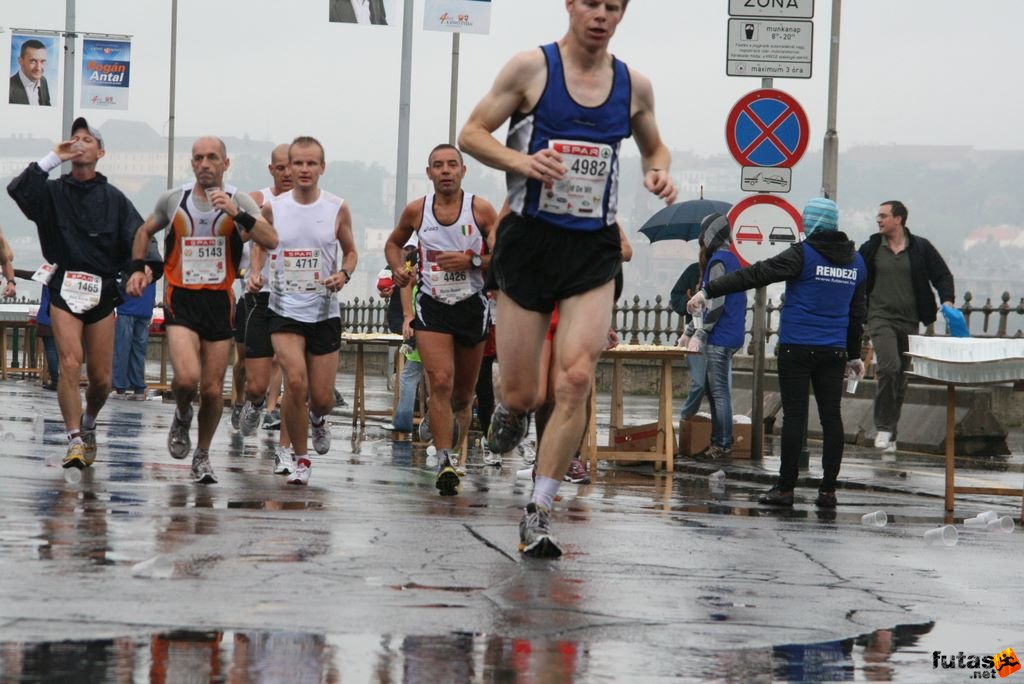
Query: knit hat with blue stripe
x,y
820,214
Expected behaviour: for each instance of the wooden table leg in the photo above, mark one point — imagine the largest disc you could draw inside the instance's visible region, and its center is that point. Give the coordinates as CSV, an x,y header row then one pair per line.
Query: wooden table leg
x,y
3,352
616,408
163,360
359,400
396,395
950,444
666,436
590,443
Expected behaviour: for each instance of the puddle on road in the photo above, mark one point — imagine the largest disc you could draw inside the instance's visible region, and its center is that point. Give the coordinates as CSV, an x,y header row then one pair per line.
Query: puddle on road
x,y
262,656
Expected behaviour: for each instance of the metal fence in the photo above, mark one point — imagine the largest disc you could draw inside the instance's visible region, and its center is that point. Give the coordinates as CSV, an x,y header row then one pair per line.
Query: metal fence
x,y
644,322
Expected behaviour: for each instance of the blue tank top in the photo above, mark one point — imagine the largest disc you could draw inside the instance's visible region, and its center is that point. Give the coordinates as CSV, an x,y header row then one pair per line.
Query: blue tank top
x,y
729,329
588,139
817,308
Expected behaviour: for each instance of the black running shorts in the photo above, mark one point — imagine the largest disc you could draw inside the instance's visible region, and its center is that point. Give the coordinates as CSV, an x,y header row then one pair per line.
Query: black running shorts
x,y
256,326
465,321
110,299
208,313
321,338
538,264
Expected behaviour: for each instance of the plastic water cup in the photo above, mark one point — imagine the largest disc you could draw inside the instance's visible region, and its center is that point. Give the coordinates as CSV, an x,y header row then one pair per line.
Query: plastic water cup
x,y
851,385
157,567
210,191
874,519
988,515
945,535
72,475
525,474
717,476
9,436
1003,524
978,521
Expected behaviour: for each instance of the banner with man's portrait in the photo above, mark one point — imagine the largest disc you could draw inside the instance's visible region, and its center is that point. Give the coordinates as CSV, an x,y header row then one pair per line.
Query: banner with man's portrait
x,y
457,16
369,12
106,73
34,70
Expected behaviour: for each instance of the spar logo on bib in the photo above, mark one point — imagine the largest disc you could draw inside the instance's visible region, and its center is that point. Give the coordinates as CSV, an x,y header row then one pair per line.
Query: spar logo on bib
x,y
579,150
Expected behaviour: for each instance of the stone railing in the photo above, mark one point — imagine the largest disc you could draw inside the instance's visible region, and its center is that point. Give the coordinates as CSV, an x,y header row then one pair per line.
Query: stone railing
x,y
644,322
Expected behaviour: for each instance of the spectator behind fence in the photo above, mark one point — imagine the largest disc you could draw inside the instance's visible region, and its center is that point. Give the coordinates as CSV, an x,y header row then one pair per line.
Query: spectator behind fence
x,y
819,338
131,338
696,364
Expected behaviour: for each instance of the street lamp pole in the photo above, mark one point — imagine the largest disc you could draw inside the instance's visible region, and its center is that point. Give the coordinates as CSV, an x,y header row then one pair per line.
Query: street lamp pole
x,y
830,154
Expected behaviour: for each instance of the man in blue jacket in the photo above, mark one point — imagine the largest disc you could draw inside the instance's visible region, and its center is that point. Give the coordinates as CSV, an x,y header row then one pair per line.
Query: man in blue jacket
x,y
131,337
902,270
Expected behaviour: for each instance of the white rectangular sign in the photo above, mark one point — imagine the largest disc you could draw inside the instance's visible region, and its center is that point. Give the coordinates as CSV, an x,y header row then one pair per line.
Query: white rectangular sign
x,y
770,48
457,16
766,179
782,9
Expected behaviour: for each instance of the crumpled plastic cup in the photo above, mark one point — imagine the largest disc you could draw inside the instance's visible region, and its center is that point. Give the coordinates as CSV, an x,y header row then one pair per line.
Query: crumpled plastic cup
x,y
945,535
157,567
717,476
874,519
1003,524
72,475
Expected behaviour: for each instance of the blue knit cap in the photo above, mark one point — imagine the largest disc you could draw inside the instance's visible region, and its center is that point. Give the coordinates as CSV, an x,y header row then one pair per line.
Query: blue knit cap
x,y
820,214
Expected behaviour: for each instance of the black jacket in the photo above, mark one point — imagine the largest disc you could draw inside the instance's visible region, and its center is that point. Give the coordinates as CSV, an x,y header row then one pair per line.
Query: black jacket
x,y
17,94
927,270
834,246
83,225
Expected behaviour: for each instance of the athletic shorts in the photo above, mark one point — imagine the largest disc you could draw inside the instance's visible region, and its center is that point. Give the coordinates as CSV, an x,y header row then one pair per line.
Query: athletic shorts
x,y
241,315
110,299
465,321
208,313
538,264
256,326
321,338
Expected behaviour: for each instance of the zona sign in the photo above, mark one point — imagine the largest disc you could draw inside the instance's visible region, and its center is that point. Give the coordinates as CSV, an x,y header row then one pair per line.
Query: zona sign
x,y
767,127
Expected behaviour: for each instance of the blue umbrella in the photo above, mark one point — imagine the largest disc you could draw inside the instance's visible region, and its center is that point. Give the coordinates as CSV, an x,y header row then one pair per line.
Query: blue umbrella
x,y
681,221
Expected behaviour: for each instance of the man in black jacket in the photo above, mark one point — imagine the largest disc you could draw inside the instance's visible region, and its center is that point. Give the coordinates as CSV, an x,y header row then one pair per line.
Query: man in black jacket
x,y
86,228
902,270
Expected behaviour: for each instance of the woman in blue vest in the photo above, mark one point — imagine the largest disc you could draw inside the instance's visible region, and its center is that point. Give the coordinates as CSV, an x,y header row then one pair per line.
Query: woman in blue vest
x,y
819,338
720,334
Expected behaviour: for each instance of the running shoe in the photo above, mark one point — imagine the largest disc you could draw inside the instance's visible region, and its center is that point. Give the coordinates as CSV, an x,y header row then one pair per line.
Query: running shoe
x,y
202,471
490,458
284,461
577,472
251,414
535,538
447,478
301,474
89,441
715,452
527,452
75,458
236,416
423,430
882,439
777,497
272,420
178,441
321,436
826,499
507,429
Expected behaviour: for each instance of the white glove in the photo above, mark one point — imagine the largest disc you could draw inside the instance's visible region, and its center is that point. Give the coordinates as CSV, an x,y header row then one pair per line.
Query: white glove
x,y
694,345
697,303
683,341
855,368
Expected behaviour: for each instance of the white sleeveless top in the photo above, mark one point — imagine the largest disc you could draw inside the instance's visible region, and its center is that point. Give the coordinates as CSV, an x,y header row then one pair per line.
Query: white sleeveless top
x,y
243,265
306,254
461,236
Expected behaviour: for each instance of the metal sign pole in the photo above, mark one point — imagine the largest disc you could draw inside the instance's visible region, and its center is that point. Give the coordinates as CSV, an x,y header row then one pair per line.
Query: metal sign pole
x,y
70,48
454,106
757,327
402,168
830,156
170,101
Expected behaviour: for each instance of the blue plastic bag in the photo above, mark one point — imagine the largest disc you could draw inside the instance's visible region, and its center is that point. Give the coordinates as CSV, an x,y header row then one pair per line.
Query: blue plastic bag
x,y
955,322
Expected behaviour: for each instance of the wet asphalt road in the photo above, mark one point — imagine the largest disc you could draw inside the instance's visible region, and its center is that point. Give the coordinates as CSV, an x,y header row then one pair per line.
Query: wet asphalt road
x,y
367,575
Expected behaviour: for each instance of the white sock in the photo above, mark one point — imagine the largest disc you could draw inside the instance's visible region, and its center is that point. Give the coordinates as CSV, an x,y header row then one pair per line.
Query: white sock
x,y
315,419
74,437
544,491
88,422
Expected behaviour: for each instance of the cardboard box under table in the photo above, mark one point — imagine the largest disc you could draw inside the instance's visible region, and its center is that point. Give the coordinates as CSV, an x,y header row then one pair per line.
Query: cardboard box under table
x,y
649,442
695,437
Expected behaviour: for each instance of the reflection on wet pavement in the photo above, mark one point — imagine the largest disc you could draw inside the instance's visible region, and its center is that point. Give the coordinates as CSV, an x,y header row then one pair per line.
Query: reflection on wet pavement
x,y
296,657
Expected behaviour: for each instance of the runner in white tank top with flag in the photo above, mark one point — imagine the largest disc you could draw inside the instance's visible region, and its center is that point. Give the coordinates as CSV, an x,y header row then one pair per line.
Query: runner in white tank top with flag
x,y
451,309
305,319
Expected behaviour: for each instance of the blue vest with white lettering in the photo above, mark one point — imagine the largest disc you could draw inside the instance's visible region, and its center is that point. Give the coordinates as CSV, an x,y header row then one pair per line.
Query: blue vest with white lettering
x,y
817,308
557,116
729,329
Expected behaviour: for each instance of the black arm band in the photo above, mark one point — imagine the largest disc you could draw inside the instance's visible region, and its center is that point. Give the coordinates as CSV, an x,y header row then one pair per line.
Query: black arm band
x,y
138,265
246,220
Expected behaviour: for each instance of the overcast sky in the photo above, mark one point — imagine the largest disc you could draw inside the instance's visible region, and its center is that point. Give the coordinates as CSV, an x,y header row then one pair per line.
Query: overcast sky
x,y
912,71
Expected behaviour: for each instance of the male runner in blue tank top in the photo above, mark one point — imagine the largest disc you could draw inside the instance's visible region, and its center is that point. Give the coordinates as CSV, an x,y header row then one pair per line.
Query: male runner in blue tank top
x,y
570,104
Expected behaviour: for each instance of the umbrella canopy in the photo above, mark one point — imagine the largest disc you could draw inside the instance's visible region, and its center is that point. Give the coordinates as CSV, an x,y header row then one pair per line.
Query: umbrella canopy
x,y
681,221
